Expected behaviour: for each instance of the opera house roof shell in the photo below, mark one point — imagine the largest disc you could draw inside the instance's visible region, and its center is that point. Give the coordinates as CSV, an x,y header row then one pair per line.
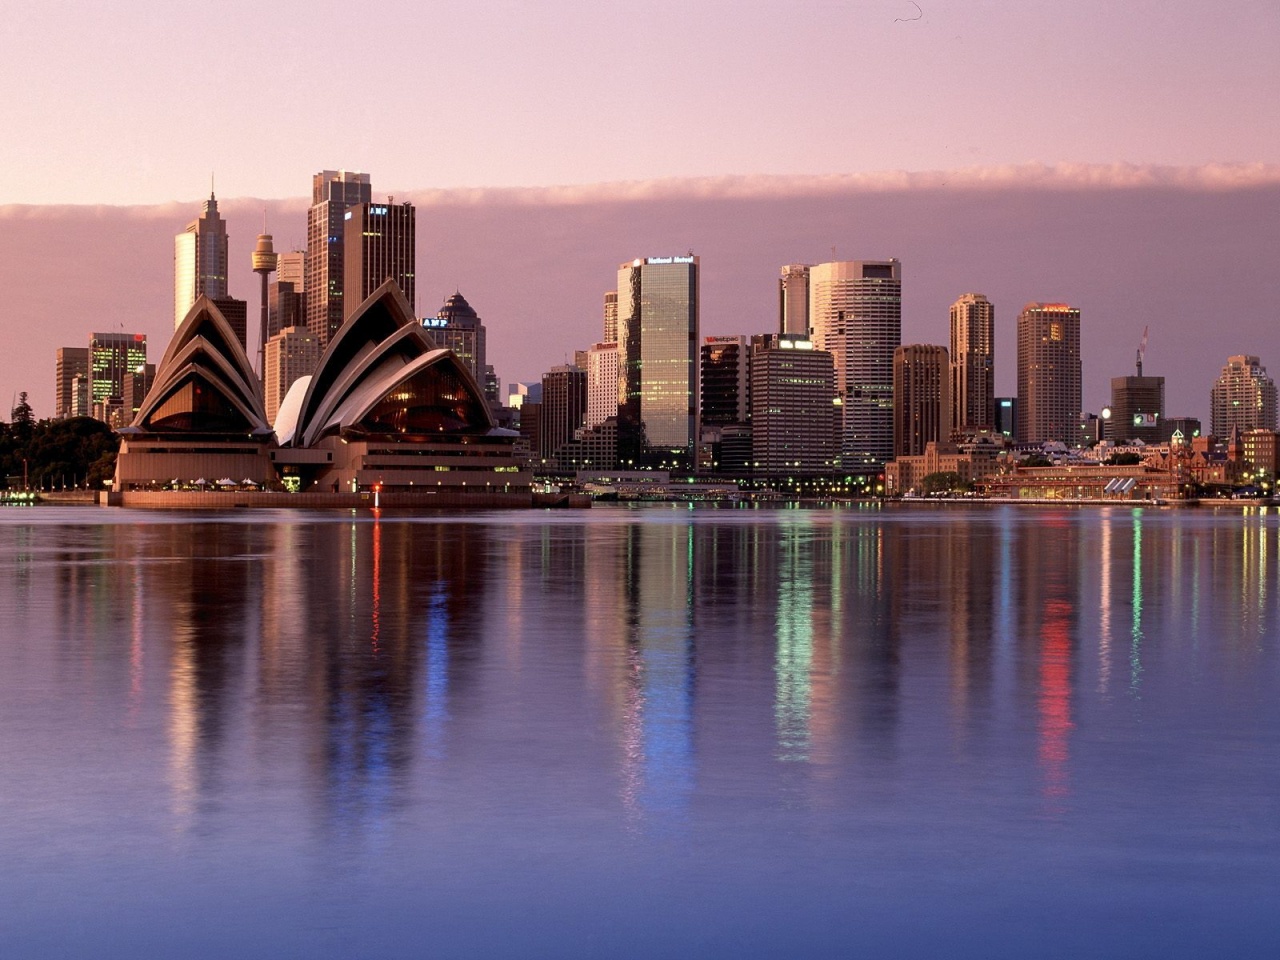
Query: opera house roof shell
x,y
205,383
382,375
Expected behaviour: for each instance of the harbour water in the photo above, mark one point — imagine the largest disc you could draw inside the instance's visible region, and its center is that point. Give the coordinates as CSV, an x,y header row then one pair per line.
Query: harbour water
x,y
640,732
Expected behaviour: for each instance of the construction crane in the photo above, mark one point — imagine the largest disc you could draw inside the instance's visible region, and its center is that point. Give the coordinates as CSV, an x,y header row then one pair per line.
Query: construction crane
x,y
1142,349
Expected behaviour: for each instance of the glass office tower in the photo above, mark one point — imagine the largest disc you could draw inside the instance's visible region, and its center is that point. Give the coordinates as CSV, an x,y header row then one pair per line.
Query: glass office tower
x,y
658,348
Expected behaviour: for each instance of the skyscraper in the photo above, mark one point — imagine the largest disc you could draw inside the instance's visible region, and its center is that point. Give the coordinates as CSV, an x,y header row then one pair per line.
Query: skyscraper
x,y
610,317
921,398
1243,397
199,260
973,378
112,357
1137,410
71,362
380,244
855,313
658,349
564,405
457,327
292,353
725,380
602,383
286,296
1049,375
332,191
794,423
793,300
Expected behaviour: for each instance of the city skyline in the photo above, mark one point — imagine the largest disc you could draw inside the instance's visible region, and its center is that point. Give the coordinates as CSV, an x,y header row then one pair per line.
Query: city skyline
x,y
1221,215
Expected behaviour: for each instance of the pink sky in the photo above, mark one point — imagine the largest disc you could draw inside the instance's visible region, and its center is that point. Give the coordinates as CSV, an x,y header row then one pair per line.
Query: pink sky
x,y
1119,156
1189,251
137,101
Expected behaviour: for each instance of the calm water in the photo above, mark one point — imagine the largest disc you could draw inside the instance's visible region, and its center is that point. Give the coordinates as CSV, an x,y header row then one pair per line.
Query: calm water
x,y
653,732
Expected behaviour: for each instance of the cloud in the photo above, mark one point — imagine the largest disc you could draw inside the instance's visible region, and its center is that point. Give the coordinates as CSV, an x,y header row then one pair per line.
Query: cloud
x,y
1003,178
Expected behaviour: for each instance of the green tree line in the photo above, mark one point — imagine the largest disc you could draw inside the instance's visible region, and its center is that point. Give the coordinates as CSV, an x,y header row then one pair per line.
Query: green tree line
x,y
55,453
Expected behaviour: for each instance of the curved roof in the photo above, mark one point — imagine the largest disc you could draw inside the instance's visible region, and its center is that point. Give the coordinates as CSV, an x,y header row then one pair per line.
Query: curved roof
x,y
287,416
380,347
381,315
204,348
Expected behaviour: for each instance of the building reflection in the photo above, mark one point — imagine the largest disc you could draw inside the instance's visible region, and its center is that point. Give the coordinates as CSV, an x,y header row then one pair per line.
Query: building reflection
x,y
658,771
1049,555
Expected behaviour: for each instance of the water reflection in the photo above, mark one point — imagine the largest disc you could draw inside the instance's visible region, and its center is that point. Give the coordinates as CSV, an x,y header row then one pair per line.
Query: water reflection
x,y
499,700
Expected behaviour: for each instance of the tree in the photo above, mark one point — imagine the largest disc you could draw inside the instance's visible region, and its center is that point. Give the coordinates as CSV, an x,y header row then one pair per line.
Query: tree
x,y
943,481
1123,459
21,419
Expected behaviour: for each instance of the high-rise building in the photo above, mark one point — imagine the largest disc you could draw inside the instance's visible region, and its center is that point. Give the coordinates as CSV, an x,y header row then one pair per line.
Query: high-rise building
x,y
855,313
725,380
793,300
602,383
112,356
1049,374
72,362
292,353
332,191
610,317
1007,416
380,244
236,313
921,398
286,297
457,327
794,419
80,405
1137,410
564,405
137,384
1243,397
658,349
199,260
973,376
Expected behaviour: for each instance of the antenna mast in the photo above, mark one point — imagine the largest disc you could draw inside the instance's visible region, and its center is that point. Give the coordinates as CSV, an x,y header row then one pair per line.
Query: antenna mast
x,y
1142,349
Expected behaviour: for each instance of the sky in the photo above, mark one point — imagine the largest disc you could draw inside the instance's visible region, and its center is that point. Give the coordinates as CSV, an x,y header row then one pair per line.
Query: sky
x,y
547,143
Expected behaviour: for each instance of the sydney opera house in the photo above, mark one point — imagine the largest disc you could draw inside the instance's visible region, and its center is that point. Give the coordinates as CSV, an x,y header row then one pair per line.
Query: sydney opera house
x,y
385,413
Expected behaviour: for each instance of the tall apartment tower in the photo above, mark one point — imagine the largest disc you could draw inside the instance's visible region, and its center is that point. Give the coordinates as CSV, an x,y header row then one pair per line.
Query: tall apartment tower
x,y
921,398
332,191
1243,398
564,406
855,313
1049,377
457,327
793,300
199,260
602,383
610,317
71,362
292,353
973,367
794,422
380,244
658,349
